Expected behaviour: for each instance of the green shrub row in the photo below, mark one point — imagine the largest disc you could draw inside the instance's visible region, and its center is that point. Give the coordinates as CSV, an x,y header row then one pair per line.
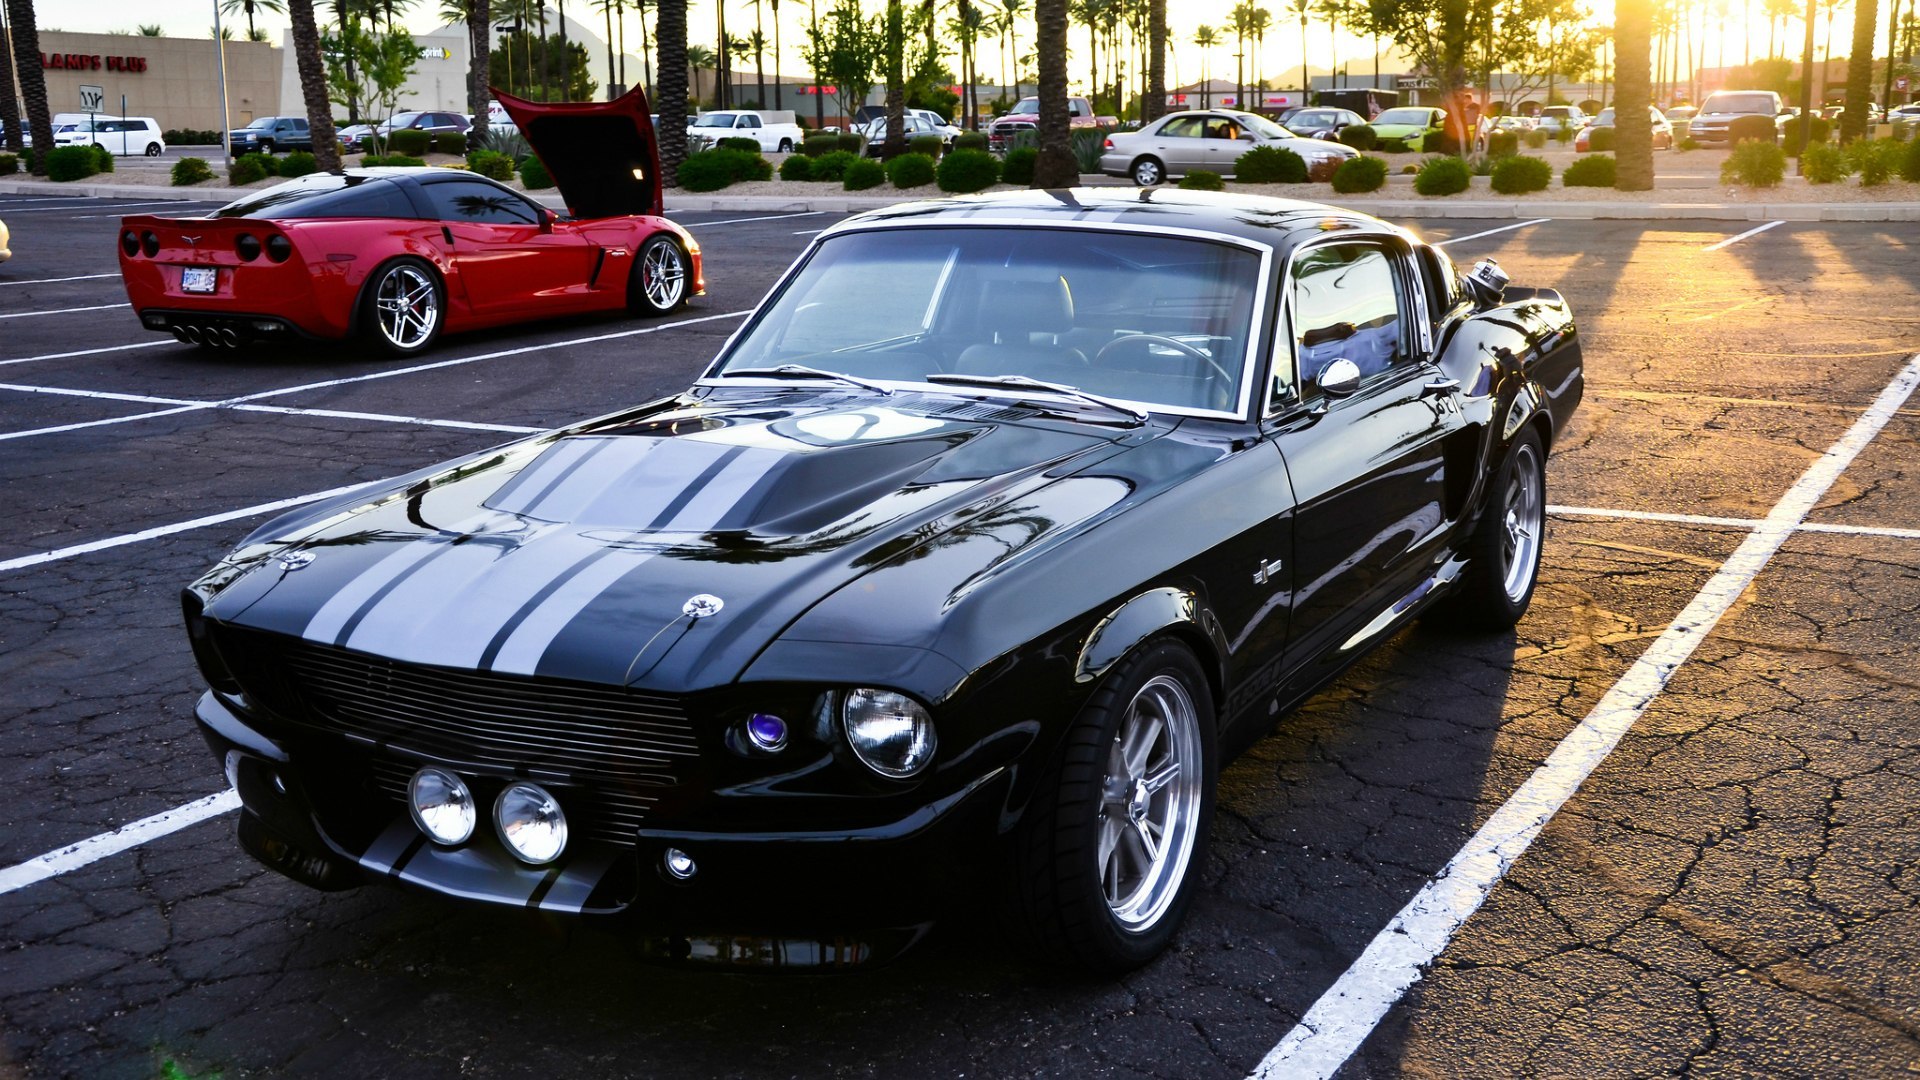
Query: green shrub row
x,y
1203,180
191,170
72,163
190,137
491,164
967,170
711,170
393,161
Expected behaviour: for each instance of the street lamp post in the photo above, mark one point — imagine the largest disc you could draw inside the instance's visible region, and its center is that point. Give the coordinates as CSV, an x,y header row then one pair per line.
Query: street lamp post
x,y
226,118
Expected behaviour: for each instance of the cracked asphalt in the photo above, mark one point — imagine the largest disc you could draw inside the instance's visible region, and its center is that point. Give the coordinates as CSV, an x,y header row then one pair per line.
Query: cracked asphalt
x,y
1734,892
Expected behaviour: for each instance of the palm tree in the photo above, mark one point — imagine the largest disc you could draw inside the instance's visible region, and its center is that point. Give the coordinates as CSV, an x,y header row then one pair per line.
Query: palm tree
x,y
1242,16
33,82
778,103
670,36
313,84
1853,122
1206,37
229,7
759,43
1055,167
606,10
892,57
1258,19
1156,103
150,30
9,98
477,17
566,54
389,9
1633,46
1334,11
699,56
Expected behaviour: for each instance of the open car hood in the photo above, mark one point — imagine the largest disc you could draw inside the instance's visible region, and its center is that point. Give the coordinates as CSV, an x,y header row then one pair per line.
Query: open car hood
x,y
602,155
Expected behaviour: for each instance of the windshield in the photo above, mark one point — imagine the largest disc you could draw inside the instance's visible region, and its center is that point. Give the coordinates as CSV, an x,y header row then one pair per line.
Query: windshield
x,y
399,120
1262,126
1757,103
323,195
263,122
1402,116
1605,119
719,120
1156,321
1025,107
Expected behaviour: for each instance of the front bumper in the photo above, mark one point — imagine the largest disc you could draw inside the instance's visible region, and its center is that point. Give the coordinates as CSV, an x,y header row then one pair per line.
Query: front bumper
x,y
761,897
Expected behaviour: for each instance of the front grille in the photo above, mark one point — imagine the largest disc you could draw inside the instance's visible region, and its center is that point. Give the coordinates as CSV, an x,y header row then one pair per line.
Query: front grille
x,y
612,750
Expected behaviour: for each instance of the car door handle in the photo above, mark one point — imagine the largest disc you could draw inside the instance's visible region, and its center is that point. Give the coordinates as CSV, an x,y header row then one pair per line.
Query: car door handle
x,y
1437,387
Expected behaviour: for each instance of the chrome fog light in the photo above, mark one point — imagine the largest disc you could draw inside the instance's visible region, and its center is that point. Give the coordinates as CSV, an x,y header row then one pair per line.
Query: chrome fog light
x,y
766,732
441,805
889,732
678,864
530,823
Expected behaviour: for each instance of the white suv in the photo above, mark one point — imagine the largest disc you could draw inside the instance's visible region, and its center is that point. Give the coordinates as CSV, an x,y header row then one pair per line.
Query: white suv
x,y
119,134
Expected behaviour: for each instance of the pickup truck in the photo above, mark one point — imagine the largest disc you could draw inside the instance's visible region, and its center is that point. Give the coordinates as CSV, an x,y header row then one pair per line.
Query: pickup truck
x,y
1025,116
775,129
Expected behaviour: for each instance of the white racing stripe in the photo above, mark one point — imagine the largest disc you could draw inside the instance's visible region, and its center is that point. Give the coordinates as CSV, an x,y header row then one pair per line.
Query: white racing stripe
x,y
61,311
1348,1012
95,848
1732,240
1491,232
54,280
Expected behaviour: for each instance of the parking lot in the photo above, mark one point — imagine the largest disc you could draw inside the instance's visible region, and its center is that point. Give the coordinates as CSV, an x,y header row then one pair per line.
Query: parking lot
x,y
1734,890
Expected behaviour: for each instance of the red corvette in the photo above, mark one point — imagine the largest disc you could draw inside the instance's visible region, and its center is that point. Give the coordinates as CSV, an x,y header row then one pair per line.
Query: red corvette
x,y
400,255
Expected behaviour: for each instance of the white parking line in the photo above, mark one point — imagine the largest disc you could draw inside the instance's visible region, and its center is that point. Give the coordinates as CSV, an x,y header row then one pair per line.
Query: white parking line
x,y
284,410
97,206
738,220
234,402
95,848
1732,240
1492,232
808,232
51,280
1738,523
1343,1017
61,311
89,352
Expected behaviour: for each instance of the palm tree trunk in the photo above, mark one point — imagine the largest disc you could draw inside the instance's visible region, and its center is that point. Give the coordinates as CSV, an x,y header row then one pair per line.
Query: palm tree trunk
x,y
1853,122
33,81
479,68
1633,148
1156,103
759,56
646,54
1055,167
779,101
566,55
546,57
1893,49
613,76
670,35
10,100
313,83
893,57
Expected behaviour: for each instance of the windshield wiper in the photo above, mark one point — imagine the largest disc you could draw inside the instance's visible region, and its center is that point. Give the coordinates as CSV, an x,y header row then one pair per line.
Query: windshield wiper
x,y
1025,383
808,373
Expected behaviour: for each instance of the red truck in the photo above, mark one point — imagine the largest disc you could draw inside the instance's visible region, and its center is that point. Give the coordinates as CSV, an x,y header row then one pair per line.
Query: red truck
x,y
1025,116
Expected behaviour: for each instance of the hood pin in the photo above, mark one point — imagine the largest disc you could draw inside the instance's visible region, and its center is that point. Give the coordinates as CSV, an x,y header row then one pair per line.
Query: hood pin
x,y
702,606
294,560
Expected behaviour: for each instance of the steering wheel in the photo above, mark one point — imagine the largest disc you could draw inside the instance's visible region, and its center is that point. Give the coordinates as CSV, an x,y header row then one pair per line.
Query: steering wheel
x,y
1171,343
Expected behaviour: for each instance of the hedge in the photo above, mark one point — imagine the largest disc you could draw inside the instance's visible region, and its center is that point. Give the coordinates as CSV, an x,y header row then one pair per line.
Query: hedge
x,y
850,141
1519,175
1536,138
248,168
190,137
970,140
409,141
1596,170
298,163
533,174
1503,144
1270,165
1824,165
930,145
1017,166
797,167
71,163
1360,137
1755,163
449,142
1600,140
1753,129
392,161
1443,176
865,173
1360,174
191,170
9,164
1910,161
968,170
492,164
911,170
711,170
1202,180
833,167
817,145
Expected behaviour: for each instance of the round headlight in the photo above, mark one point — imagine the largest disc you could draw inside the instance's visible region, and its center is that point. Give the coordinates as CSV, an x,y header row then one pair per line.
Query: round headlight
x,y
889,732
130,243
150,244
441,805
247,246
531,823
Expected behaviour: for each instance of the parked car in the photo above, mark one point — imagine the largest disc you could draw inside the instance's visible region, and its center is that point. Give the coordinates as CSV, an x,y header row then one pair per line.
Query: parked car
x,y
1557,118
1722,107
1411,124
775,130
1181,142
1662,130
917,124
361,137
268,134
998,529
119,135
5,252
1025,116
1318,123
1513,122
401,255
1681,114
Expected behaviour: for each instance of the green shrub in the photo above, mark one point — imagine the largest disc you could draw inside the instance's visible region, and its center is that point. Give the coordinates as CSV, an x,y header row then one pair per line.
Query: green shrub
x,y
1755,163
1563,134
911,170
850,141
248,168
1519,175
797,167
1752,129
191,137
410,141
816,145
968,170
1017,166
1503,144
102,160
1203,180
449,142
1270,165
1360,137
191,170
1876,160
833,167
711,170
492,164
1088,145
970,140
1824,165
1443,176
72,163
1596,170
1024,136
1600,140
298,163
1686,143
1440,142
737,142
1359,174
1910,161
1392,146
928,145
534,175
1536,138
865,173
9,164
1482,165
1819,132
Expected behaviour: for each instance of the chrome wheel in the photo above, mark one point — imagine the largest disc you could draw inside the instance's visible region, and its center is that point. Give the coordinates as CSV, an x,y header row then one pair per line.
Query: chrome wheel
x,y
1150,803
1523,519
663,275
1146,172
407,306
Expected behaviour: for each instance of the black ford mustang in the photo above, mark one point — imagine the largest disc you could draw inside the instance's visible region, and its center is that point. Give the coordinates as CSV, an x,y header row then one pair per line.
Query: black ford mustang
x,y
993,533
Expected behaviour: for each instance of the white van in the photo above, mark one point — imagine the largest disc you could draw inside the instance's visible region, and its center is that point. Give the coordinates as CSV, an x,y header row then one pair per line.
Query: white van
x,y
119,134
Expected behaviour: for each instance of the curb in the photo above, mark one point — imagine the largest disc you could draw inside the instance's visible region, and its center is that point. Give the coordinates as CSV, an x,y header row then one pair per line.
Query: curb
x,y
1418,209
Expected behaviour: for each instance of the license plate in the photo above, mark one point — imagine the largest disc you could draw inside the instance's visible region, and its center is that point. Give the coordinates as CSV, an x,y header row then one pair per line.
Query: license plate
x,y
201,279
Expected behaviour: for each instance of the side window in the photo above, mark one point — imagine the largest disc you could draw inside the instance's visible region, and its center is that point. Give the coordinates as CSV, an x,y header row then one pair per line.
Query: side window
x,y
1346,306
472,201
747,122
1186,127
299,125
1219,127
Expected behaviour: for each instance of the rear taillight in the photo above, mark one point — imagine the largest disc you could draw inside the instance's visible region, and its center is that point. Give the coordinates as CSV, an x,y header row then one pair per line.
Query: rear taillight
x,y
247,246
150,244
130,243
279,248
1109,145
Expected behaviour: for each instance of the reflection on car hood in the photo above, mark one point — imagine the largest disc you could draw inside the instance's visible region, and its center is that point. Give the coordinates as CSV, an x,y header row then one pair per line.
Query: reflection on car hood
x,y
566,555
602,155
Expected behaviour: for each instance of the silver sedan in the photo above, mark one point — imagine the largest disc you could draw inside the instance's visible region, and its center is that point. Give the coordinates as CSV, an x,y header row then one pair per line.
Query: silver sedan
x,y
1182,142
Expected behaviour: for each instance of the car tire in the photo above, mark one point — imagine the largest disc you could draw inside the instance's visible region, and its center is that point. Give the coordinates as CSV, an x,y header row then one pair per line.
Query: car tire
x,y
153,149
786,146
661,276
404,307
1148,171
1093,813
1503,556
266,146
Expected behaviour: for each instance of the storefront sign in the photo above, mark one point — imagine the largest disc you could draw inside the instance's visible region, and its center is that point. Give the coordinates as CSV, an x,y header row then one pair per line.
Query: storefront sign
x,y
86,62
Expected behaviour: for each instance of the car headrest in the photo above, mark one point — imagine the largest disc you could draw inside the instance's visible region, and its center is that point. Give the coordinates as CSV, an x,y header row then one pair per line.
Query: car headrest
x,y
1020,307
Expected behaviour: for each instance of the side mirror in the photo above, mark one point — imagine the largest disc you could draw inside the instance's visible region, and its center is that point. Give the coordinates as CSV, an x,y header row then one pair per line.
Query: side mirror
x,y
547,218
1248,138
1340,378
